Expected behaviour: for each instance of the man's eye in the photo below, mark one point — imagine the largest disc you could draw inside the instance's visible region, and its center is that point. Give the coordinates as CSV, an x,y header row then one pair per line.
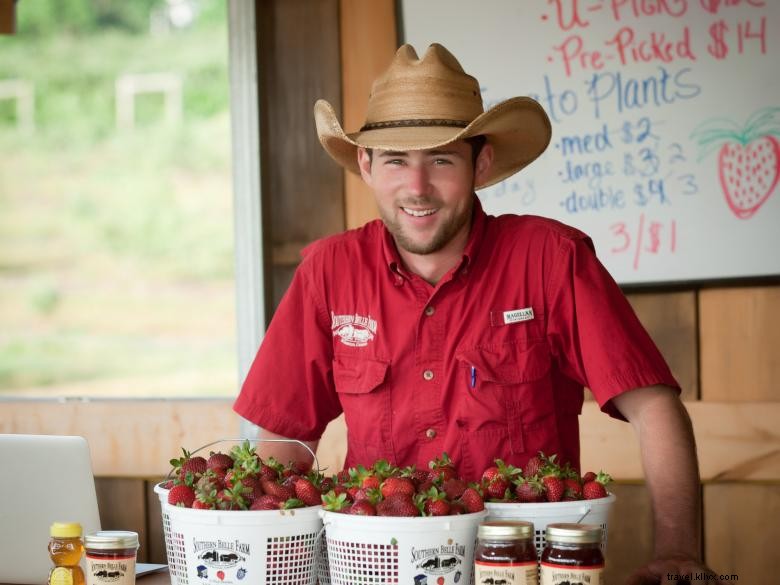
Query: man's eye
x,y
394,161
442,161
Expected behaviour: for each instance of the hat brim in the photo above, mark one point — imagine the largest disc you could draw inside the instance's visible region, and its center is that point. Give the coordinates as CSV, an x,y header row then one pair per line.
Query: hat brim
x,y
518,129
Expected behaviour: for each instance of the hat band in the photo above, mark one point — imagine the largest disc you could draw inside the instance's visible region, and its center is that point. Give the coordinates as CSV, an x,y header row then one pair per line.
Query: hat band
x,y
413,123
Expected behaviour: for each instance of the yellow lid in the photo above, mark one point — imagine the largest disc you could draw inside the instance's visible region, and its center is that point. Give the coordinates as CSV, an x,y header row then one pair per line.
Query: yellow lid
x,y
65,530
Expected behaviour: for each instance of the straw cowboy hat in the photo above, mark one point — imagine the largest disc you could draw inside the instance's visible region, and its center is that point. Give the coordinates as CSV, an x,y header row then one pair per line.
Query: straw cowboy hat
x,y
426,103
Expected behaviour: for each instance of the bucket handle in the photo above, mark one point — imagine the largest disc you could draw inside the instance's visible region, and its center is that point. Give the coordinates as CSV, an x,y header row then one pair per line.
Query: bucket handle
x,y
240,440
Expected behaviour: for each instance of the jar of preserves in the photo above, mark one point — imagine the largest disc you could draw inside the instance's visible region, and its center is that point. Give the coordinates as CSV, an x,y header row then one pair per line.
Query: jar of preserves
x,y
111,557
505,551
573,553
66,550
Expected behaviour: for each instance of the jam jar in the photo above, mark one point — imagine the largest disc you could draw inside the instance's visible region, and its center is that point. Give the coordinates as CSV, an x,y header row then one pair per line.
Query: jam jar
x,y
572,553
505,551
111,557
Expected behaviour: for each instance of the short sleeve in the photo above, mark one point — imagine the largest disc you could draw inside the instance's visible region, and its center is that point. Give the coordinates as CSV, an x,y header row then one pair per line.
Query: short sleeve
x,y
289,389
595,335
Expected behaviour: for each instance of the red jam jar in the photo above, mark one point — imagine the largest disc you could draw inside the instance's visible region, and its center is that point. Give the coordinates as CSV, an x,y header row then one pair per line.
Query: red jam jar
x,y
505,552
572,553
111,557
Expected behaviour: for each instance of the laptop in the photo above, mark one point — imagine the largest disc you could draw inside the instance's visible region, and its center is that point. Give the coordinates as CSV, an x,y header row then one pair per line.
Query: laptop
x,y
45,479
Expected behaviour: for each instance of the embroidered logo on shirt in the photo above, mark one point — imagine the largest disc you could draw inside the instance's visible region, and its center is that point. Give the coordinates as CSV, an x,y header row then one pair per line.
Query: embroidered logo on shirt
x,y
518,315
353,330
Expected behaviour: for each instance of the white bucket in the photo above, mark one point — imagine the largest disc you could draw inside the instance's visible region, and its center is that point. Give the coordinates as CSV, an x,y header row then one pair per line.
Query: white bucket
x,y
233,547
379,550
544,513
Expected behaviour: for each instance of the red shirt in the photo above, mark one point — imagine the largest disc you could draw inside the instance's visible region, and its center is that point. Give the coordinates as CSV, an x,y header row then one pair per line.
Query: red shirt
x,y
488,363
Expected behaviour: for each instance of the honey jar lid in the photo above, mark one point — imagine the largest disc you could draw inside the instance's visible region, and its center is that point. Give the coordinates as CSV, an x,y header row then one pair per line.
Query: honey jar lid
x,y
573,533
505,530
111,539
65,530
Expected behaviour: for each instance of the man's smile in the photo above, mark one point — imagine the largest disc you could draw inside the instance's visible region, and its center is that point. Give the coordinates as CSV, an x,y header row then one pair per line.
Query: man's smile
x,y
419,212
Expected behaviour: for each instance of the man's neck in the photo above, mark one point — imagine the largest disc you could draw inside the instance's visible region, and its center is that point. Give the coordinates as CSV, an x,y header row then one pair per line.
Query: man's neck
x,y
432,267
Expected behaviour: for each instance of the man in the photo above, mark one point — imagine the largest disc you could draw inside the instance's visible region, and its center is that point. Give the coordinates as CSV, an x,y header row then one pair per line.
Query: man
x,y
440,328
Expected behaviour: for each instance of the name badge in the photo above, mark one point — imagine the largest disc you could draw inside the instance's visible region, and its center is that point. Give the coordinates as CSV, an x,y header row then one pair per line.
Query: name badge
x,y
518,315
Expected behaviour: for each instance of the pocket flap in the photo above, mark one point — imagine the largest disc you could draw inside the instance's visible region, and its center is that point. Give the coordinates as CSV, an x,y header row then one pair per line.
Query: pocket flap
x,y
509,364
358,375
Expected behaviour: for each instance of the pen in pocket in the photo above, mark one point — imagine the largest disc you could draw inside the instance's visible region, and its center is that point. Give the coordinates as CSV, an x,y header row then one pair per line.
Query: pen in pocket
x,y
473,377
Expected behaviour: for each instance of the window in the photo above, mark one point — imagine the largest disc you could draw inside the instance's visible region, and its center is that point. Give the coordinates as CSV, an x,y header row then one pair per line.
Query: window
x,y
116,229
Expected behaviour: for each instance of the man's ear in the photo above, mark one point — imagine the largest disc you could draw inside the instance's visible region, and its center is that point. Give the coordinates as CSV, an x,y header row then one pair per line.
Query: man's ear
x,y
483,164
364,162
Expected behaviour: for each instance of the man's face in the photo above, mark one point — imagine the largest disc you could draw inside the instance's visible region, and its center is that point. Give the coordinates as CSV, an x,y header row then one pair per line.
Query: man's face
x,y
425,196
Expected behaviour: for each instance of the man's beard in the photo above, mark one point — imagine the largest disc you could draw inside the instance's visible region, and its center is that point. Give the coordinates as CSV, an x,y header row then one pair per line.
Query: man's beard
x,y
441,237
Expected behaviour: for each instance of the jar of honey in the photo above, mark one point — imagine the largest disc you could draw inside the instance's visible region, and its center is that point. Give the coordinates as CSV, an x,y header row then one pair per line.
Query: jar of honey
x,y
111,557
573,553
66,550
505,551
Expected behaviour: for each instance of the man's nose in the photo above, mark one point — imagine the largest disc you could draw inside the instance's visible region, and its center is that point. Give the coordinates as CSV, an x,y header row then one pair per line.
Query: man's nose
x,y
419,180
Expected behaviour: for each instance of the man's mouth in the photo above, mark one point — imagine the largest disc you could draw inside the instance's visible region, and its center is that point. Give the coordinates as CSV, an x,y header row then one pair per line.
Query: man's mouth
x,y
418,212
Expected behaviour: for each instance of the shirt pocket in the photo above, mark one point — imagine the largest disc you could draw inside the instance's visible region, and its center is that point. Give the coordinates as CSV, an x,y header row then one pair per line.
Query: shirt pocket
x,y
365,398
509,394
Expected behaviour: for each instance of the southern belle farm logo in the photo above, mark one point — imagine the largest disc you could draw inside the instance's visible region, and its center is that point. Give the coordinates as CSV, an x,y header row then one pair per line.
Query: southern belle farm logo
x,y
353,330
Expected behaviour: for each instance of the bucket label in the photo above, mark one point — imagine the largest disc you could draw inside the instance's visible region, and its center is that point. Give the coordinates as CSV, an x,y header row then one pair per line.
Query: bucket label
x,y
443,564
221,561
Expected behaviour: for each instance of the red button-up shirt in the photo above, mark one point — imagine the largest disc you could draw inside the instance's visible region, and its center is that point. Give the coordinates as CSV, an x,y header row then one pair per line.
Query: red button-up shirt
x,y
488,363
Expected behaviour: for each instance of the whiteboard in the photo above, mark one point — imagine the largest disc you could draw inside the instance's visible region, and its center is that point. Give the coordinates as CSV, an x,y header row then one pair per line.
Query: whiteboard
x,y
646,99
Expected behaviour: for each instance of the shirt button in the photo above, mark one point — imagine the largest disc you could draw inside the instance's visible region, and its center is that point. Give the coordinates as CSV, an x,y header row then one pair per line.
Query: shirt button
x,y
430,433
428,375
429,310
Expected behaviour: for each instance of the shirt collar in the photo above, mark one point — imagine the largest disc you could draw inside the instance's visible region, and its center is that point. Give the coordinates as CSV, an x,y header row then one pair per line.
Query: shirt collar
x,y
476,235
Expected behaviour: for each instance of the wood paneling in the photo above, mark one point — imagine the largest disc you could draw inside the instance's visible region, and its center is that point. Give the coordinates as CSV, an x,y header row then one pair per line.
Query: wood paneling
x,y
122,505
368,43
298,63
734,440
670,319
630,536
138,438
740,337
741,531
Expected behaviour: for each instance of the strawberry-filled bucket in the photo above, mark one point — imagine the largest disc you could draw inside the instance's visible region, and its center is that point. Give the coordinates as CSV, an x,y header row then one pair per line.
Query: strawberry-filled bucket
x,y
544,513
233,547
379,550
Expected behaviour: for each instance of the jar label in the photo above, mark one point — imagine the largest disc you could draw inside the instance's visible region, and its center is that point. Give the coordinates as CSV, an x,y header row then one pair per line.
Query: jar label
x,y
511,573
558,574
118,571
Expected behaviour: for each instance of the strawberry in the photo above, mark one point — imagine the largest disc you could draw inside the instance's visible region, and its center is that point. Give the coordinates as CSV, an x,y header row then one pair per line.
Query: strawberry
x,y
335,502
182,496
233,498
418,476
454,488
362,508
397,505
597,488
572,489
219,460
496,489
472,501
441,469
553,488
437,508
168,484
748,159
397,485
267,502
201,505
530,490
274,489
589,476
533,465
194,465
307,492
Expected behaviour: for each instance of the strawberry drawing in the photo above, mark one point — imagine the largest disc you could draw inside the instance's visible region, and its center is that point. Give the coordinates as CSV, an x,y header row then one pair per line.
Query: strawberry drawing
x,y
748,158
221,575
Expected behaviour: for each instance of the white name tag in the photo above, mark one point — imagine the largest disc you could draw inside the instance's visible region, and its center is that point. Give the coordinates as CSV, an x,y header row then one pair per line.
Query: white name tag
x,y
518,315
